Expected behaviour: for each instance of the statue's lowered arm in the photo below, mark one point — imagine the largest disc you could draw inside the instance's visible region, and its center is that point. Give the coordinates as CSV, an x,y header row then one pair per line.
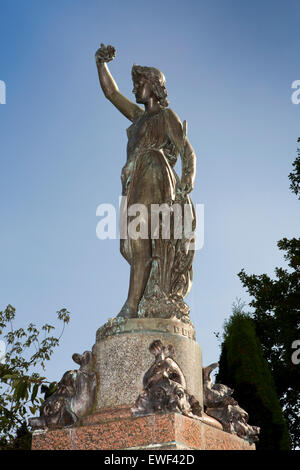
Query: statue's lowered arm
x,y
109,86
177,134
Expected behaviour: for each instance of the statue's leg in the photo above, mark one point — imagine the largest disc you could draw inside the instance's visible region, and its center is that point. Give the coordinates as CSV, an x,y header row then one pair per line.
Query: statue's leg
x,y
139,274
148,188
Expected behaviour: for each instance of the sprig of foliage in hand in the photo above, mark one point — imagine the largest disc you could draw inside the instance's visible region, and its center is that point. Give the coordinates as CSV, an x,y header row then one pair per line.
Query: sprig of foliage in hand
x,y
20,389
105,54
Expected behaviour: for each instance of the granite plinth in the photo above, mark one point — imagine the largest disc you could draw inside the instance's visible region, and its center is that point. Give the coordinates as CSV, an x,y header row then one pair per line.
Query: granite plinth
x,y
168,431
122,357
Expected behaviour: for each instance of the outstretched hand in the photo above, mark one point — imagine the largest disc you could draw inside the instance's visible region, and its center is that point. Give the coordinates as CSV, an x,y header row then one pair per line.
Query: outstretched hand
x,y
105,54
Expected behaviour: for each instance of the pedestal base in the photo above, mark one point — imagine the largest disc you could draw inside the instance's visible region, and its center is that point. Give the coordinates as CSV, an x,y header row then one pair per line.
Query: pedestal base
x,y
122,358
119,430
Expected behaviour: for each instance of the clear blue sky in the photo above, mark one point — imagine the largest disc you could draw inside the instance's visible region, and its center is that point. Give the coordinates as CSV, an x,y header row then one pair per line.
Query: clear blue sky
x,y
229,66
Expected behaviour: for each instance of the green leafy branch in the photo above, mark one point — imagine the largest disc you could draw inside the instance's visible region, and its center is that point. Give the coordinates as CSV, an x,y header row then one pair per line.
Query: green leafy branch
x,y
20,388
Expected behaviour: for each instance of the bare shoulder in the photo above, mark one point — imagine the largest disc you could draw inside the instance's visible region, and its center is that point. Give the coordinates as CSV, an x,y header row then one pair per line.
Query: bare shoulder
x,y
172,117
130,110
175,129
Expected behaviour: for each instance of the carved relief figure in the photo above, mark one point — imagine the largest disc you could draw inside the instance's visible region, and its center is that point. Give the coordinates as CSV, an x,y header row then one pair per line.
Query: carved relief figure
x,y
160,269
165,386
219,404
73,398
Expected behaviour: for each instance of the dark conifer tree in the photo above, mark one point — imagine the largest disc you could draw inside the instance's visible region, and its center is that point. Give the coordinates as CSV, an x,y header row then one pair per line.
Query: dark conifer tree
x,y
244,368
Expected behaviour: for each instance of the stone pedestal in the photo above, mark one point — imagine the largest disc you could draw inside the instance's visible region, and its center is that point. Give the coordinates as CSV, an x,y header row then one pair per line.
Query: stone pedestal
x,y
107,431
122,358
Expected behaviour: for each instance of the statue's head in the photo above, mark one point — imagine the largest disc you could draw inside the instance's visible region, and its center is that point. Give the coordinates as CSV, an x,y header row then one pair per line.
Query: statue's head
x,y
164,365
168,395
155,78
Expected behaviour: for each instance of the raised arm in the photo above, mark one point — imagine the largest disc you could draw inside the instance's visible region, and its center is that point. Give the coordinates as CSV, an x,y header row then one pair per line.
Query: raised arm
x,y
109,86
177,134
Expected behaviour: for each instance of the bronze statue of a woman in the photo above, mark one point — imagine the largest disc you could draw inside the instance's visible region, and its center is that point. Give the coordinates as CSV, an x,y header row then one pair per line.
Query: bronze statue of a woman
x,y
161,268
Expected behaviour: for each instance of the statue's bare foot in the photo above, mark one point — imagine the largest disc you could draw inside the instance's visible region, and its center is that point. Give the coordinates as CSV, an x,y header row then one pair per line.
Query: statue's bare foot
x,y
127,311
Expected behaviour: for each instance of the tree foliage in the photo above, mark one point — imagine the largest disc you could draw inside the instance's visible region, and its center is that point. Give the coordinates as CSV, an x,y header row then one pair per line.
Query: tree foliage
x,y
294,176
244,368
20,385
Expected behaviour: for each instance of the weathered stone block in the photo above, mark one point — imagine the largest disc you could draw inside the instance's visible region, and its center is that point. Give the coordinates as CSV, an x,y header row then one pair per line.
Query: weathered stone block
x,y
122,358
152,432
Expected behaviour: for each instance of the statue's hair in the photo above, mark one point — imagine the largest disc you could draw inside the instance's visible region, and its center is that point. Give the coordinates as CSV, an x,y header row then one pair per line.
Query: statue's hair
x,y
156,346
157,80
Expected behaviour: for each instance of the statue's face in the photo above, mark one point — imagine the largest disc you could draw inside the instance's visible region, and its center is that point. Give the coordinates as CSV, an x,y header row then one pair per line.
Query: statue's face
x,y
169,396
52,410
142,90
178,400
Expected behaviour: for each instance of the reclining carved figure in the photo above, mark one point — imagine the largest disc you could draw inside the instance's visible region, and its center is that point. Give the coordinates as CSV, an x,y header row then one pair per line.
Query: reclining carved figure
x,y
219,404
73,398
